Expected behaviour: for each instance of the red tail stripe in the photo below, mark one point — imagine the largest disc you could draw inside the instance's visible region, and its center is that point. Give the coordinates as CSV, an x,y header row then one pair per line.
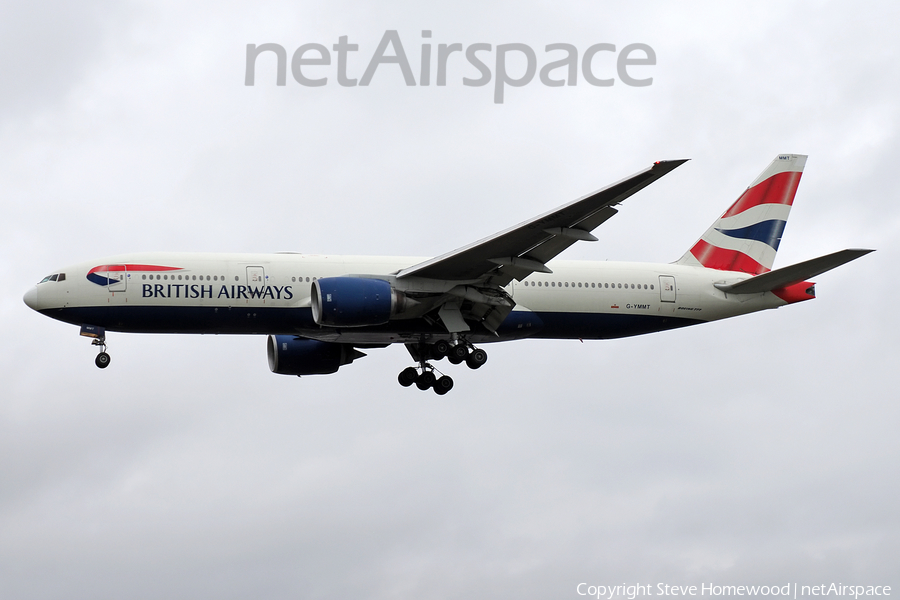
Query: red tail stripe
x,y
721,259
777,189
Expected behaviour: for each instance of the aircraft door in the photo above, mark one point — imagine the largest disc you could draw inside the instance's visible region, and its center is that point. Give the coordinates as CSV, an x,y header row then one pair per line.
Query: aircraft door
x,y
118,278
666,288
256,276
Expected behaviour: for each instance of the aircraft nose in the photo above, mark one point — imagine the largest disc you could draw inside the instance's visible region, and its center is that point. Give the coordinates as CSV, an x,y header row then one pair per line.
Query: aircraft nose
x,y
30,298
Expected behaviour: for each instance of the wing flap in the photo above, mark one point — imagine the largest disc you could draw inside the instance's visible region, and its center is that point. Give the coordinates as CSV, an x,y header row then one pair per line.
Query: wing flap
x,y
554,245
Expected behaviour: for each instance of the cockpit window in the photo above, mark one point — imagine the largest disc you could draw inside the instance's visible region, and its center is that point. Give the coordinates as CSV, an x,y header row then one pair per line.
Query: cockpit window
x,y
54,277
62,277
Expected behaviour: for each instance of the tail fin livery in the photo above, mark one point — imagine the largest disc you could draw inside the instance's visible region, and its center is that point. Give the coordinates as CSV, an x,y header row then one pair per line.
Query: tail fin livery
x,y
746,237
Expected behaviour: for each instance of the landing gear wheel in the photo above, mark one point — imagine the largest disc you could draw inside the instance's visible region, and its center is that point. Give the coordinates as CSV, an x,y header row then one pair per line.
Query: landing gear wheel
x,y
425,380
476,358
408,376
443,385
458,354
441,348
102,360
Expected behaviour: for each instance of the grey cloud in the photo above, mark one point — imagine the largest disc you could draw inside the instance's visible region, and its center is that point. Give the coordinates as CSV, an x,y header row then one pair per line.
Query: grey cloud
x,y
747,451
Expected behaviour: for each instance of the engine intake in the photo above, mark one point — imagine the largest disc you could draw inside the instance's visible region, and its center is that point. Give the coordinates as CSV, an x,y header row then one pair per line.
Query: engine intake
x,y
289,355
355,301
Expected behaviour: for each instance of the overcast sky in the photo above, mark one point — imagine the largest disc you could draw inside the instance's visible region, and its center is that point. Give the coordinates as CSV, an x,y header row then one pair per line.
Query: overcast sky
x,y
761,450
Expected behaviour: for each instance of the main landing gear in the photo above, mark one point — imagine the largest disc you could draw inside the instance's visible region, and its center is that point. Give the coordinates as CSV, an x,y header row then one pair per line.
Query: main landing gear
x,y
424,376
426,379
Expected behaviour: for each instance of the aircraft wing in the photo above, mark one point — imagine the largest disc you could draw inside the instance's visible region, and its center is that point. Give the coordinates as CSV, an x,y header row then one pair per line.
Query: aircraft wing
x,y
521,250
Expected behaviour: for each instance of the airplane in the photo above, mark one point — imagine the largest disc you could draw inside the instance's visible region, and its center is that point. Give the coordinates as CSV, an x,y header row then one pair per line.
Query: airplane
x,y
321,311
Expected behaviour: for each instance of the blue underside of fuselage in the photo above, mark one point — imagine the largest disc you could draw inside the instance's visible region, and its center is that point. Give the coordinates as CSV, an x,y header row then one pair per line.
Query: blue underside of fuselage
x,y
293,321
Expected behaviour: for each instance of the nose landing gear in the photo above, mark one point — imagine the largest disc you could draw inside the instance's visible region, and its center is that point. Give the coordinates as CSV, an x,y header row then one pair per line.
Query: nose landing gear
x,y
99,339
102,360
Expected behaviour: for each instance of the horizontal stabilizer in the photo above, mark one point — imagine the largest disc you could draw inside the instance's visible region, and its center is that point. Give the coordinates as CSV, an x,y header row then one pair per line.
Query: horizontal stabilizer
x,y
786,276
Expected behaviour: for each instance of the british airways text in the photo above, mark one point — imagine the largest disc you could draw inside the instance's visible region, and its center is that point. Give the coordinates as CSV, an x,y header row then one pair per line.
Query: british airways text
x,y
179,290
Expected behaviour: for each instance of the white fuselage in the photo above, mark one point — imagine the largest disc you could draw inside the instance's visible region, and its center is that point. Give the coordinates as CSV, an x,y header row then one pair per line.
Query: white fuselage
x,y
270,294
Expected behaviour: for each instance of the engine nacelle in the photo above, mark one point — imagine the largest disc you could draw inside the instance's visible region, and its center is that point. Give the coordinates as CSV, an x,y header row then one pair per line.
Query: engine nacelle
x,y
354,301
289,355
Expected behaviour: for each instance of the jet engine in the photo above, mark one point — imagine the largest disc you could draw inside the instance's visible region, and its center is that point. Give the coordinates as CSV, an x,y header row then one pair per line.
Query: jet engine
x,y
290,355
355,301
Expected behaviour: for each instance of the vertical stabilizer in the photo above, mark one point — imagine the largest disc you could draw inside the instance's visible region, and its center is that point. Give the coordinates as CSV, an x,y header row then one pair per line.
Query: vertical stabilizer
x,y
747,236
